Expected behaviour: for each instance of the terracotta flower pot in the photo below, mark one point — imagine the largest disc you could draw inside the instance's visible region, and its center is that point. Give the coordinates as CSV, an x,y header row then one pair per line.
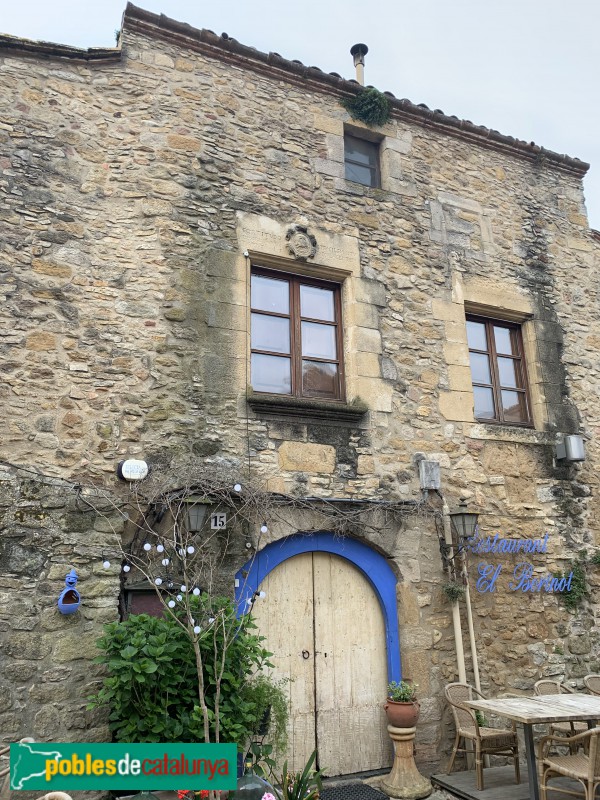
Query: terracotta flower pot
x,y
402,715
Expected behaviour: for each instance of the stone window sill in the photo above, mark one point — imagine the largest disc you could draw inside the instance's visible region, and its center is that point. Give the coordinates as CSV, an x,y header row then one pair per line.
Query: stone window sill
x,y
312,409
509,433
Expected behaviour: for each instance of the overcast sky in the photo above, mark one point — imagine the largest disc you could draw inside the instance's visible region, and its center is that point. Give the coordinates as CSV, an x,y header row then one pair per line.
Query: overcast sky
x,y
528,68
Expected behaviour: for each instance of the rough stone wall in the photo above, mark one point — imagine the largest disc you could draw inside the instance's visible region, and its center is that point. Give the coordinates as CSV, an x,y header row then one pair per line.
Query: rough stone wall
x,y
129,194
46,674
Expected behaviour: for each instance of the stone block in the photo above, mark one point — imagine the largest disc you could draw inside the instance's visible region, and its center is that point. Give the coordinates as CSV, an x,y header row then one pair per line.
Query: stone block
x,y
366,340
369,291
41,340
366,465
53,270
375,393
226,315
399,144
188,143
407,605
579,645
74,645
451,312
156,208
335,147
391,167
224,264
457,406
306,457
326,166
429,378
459,378
367,365
388,369
366,315
46,723
328,124
456,353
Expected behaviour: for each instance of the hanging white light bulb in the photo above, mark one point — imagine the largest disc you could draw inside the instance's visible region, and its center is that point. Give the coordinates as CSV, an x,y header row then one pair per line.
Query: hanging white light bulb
x,y
106,564
158,581
211,620
191,549
237,487
171,603
160,548
181,551
184,588
197,629
147,546
262,595
126,568
196,591
165,562
263,528
179,598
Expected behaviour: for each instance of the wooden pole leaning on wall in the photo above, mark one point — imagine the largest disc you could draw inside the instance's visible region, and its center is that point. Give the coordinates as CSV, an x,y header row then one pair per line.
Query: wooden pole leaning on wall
x,y
456,624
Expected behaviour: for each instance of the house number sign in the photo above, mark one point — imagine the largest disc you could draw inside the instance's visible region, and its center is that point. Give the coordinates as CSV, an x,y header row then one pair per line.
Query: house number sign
x,y
218,521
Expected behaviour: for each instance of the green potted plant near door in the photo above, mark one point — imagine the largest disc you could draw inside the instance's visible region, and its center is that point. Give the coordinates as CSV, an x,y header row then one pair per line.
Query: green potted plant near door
x,y
402,707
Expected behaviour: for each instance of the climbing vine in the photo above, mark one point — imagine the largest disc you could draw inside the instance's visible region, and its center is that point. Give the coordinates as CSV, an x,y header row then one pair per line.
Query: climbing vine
x,y
574,596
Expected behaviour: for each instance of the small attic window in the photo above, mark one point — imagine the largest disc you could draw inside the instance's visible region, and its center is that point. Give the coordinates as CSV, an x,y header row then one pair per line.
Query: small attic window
x,y
361,158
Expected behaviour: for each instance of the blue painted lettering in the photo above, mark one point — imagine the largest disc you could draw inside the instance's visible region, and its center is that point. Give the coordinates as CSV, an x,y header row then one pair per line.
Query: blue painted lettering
x,y
485,583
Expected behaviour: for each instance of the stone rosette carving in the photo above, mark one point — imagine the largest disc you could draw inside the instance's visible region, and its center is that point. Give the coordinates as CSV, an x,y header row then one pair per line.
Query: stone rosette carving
x,y
301,244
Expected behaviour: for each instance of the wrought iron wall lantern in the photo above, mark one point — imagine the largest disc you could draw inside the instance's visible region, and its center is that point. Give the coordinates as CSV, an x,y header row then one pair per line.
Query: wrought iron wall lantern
x,y
197,508
464,523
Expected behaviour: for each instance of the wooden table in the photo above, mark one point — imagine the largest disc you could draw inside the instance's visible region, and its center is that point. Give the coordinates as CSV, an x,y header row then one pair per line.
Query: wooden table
x,y
539,710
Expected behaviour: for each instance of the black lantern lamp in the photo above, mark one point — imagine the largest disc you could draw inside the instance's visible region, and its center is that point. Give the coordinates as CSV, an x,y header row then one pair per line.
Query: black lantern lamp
x,y
196,513
464,523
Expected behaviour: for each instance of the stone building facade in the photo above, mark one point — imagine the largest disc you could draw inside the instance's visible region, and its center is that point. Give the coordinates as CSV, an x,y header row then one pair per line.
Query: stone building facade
x,y
141,187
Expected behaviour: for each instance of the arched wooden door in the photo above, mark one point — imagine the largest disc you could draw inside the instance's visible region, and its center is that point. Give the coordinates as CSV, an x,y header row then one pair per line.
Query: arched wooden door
x,y
324,625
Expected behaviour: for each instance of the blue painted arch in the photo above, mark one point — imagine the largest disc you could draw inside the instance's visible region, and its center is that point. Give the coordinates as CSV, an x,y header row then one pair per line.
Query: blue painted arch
x,y
370,563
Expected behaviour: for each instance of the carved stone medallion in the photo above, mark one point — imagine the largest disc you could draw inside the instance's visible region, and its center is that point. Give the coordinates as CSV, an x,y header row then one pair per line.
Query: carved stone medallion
x,y
301,244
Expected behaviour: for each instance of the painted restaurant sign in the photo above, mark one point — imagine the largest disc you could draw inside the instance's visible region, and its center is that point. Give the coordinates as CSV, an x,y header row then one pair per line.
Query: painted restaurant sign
x,y
522,578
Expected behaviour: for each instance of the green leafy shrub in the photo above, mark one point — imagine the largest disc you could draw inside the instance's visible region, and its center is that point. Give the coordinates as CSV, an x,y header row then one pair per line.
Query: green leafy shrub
x,y
152,690
402,692
454,591
369,106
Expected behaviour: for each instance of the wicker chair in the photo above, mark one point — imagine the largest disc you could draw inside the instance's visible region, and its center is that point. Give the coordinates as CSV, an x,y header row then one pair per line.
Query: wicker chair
x,y
581,767
568,729
487,741
592,683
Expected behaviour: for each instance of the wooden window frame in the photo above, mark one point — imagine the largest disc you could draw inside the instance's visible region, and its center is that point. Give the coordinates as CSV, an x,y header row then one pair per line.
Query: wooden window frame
x,y
295,282
516,336
376,169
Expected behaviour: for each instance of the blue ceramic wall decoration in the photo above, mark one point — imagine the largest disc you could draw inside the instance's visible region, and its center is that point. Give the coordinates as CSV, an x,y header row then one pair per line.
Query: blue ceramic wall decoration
x,y
69,599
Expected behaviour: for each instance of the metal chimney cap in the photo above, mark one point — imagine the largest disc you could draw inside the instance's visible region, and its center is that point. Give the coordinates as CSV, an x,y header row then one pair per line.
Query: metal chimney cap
x,y
359,49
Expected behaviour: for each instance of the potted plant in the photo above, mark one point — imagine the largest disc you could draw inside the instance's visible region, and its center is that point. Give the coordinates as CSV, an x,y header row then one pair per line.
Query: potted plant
x,y
303,785
402,707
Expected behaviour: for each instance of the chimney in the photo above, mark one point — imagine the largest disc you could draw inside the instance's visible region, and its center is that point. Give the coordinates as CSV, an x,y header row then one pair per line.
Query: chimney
x,y
359,51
